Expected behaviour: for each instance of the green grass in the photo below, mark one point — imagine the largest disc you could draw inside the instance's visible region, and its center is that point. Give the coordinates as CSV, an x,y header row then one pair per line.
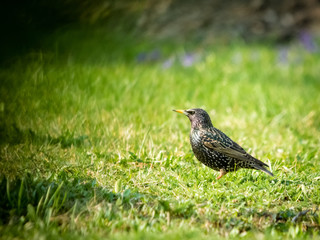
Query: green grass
x,y
90,148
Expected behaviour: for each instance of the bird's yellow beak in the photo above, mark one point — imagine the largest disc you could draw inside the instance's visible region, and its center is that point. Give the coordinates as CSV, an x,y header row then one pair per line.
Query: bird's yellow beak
x,y
179,111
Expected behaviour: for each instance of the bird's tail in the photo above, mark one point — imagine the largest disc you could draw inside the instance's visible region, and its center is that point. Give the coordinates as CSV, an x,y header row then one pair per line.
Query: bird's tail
x,y
262,168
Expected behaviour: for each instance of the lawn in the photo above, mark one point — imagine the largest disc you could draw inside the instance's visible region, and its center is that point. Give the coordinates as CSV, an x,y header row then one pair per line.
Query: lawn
x,y
90,147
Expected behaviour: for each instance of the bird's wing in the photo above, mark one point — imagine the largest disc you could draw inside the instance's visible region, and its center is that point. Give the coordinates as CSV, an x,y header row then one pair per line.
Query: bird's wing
x,y
218,141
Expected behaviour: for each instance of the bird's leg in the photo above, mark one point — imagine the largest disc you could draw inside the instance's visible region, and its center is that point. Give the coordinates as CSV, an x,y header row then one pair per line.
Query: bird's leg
x,y
222,173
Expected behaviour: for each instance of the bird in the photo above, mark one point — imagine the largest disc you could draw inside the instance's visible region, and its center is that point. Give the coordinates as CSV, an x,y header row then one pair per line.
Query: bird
x,y
215,149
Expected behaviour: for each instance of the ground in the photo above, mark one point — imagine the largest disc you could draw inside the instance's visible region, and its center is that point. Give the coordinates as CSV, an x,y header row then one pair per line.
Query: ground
x,y
91,149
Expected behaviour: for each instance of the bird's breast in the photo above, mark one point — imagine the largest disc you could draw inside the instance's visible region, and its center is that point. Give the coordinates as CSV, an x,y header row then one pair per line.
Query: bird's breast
x,y
195,137
196,143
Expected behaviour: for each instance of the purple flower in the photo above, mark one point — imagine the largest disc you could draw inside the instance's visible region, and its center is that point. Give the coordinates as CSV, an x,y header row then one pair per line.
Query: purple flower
x,y
283,55
307,41
141,57
149,56
167,63
188,60
154,55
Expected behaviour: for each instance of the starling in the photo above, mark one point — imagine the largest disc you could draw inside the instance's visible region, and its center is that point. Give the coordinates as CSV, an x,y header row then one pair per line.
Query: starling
x,y
215,149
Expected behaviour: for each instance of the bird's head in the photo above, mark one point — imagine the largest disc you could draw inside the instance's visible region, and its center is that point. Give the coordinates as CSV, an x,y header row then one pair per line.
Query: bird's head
x,y
198,117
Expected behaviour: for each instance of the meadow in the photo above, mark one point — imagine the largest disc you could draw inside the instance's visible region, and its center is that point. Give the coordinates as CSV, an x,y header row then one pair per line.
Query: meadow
x,y
90,147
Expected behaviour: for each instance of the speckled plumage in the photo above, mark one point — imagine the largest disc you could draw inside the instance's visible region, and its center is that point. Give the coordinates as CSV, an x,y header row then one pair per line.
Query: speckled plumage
x,y
215,149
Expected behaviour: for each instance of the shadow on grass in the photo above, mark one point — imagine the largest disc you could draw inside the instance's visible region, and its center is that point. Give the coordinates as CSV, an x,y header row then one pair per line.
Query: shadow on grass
x,y
29,198
12,134
272,181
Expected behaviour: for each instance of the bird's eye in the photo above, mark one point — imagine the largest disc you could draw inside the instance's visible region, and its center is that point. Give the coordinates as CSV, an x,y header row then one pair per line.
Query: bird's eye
x,y
191,112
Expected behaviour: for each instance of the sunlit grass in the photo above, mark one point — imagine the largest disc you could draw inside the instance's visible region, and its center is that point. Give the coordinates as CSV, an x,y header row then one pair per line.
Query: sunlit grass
x,y
90,147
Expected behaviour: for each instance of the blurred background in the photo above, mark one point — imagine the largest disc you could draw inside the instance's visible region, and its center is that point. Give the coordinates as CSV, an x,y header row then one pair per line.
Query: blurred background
x,y
26,23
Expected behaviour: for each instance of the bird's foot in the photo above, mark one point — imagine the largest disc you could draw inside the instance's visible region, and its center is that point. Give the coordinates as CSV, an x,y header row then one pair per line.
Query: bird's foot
x,y
222,173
